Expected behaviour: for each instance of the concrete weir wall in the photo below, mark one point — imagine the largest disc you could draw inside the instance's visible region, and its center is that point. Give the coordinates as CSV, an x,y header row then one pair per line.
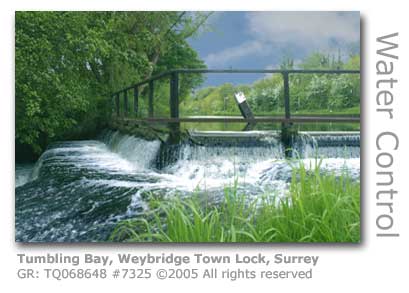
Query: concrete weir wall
x,y
140,130
243,138
286,141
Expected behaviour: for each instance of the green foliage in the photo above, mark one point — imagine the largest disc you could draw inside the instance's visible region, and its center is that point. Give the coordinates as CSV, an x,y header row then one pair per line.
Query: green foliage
x,y
317,92
267,94
213,100
67,63
318,208
343,93
308,92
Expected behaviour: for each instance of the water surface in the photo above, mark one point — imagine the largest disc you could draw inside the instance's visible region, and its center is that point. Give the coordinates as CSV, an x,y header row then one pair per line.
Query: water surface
x,y
79,190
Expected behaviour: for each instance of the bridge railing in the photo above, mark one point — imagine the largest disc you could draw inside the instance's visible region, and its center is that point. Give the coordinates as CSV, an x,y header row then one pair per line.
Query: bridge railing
x,y
174,118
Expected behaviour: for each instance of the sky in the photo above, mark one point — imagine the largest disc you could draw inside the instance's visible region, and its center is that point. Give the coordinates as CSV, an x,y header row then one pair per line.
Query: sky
x,y
261,40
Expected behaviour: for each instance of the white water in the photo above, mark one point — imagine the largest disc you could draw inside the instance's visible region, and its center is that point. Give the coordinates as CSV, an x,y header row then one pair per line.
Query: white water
x,y
139,152
23,174
78,190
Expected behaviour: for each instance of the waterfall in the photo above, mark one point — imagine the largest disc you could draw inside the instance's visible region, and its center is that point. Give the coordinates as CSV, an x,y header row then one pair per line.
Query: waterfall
x,y
79,190
23,174
140,152
335,145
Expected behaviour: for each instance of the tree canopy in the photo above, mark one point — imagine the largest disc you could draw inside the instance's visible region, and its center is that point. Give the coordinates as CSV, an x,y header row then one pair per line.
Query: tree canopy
x,y
67,63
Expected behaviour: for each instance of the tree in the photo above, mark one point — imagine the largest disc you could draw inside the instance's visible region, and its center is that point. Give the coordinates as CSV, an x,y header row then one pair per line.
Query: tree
x,y
267,94
67,63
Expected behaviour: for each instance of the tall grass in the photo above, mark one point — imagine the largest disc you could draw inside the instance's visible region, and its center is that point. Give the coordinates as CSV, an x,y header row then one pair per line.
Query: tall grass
x,y
319,207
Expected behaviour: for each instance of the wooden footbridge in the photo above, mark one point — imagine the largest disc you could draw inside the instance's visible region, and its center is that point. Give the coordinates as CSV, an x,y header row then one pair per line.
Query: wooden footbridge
x,y
174,120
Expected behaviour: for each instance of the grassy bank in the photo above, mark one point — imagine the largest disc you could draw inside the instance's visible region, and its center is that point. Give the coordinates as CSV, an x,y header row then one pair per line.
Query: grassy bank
x,y
318,208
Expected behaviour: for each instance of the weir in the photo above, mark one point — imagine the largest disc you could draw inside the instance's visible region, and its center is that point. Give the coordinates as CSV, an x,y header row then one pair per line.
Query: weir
x,y
261,144
101,182
251,138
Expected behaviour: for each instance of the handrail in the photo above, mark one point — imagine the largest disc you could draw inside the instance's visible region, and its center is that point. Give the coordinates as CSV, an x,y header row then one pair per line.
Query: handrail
x,y
197,71
317,71
145,81
238,119
174,120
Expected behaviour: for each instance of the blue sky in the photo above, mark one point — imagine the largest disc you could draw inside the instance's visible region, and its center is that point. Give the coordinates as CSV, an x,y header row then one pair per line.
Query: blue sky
x,y
256,40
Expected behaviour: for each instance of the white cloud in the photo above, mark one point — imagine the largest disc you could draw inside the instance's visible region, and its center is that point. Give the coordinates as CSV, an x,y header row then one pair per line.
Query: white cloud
x,y
275,32
309,28
225,56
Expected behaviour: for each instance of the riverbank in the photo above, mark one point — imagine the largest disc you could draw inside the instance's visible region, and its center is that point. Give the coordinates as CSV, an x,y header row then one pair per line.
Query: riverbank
x,y
318,207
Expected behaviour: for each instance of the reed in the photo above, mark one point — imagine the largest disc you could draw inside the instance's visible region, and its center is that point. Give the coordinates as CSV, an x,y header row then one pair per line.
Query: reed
x,y
319,207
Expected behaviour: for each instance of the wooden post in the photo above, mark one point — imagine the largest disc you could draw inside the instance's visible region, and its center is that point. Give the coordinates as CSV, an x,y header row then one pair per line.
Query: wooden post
x,y
174,108
174,95
151,93
287,131
287,138
126,103
244,109
286,95
112,104
117,104
135,100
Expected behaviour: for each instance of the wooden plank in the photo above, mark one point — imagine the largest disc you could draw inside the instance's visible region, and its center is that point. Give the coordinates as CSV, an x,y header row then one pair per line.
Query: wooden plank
x,y
174,135
293,119
264,71
295,71
174,96
280,116
135,100
126,104
151,93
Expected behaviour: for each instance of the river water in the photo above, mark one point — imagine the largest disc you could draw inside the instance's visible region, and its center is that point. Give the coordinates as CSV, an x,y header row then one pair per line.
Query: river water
x,y
79,190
